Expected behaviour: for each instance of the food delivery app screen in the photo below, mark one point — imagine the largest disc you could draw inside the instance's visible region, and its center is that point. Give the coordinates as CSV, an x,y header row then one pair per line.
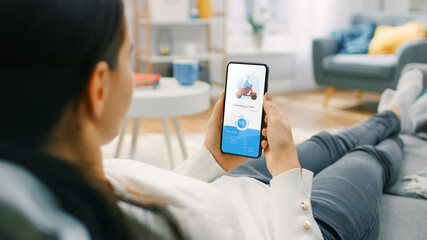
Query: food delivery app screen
x,y
243,109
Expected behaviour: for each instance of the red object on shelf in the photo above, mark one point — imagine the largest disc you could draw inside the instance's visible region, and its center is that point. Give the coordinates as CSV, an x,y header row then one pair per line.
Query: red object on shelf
x,y
146,79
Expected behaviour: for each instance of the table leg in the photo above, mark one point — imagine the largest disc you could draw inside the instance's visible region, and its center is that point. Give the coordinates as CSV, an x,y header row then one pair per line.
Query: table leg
x,y
168,140
121,136
135,133
180,137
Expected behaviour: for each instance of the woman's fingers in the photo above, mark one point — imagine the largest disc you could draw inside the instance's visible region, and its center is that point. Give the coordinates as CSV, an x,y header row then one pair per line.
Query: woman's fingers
x,y
264,144
264,132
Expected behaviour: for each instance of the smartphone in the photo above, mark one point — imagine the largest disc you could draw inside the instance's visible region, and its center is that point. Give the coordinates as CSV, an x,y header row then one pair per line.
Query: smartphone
x,y
243,117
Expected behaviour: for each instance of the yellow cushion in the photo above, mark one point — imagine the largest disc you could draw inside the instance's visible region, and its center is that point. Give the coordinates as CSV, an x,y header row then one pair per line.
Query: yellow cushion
x,y
387,38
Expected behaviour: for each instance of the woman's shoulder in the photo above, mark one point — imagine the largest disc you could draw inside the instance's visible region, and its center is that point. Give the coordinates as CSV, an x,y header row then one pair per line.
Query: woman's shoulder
x,y
24,197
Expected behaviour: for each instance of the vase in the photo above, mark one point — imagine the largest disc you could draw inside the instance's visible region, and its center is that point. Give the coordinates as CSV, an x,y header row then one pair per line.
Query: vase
x,y
205,8
257,38
164,42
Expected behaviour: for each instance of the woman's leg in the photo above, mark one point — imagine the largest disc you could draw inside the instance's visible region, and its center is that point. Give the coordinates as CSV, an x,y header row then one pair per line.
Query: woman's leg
x,y
324,149
346,196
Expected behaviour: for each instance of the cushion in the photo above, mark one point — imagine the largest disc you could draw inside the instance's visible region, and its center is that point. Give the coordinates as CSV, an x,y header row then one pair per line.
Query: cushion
x,y
387,38
415,160
403,218
361,64
354,39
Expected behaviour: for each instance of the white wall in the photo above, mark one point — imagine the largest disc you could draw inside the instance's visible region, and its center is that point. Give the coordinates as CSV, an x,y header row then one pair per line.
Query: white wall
x,y
418,5
334,14
405,5
396,5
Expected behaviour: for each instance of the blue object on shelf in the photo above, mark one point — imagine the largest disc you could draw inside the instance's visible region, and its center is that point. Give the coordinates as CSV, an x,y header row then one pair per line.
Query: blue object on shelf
x,y
194,14
186,71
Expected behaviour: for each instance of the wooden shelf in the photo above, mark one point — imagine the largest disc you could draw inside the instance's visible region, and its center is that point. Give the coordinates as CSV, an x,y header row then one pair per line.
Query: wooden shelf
x,y
143,21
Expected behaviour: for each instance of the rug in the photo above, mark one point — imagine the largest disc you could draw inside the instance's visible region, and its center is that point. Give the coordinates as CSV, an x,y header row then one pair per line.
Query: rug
x,y
151,148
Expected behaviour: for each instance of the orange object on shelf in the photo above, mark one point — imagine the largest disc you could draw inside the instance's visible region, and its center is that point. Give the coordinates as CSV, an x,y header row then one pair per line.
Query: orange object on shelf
x,y
146,79
205,8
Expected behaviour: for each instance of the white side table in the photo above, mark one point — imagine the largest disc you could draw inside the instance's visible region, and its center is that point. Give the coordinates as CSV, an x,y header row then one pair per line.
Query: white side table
x,y
170,99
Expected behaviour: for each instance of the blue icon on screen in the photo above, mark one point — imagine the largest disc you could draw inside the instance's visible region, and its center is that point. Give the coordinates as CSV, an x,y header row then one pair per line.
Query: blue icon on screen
x,y
242,123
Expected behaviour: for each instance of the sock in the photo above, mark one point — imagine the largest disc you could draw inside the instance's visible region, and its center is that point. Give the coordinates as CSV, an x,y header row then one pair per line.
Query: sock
x,y
385,99
409,87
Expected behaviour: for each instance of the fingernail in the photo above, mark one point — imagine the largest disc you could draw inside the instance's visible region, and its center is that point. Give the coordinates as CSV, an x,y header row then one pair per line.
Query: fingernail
x,y
268,96
222,94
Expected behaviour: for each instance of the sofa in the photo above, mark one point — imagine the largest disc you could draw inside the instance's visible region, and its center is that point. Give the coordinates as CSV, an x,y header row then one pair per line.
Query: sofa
x,y
404,214
363,71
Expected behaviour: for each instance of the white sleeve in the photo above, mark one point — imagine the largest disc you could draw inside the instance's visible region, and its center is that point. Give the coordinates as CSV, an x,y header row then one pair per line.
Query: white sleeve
x,y
290,207
201,165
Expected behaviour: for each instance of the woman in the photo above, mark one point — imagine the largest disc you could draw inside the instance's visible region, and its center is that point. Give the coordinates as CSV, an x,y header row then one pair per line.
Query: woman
x,y
65,85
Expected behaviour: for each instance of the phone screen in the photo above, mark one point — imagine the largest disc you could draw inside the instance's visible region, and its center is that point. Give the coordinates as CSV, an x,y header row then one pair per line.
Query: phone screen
x,y
245,86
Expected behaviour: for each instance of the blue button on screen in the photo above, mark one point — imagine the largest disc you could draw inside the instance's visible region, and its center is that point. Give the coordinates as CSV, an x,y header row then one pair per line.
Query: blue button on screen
x,y
241,123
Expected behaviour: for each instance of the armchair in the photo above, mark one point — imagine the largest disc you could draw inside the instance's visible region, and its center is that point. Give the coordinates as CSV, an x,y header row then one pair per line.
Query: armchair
x,y
363,71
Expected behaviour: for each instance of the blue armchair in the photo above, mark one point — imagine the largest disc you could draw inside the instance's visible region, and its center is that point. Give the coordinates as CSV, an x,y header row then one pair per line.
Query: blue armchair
x,y
363,71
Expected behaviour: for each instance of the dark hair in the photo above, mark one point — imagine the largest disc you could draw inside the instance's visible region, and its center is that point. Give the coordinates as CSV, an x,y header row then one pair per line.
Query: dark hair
x,y
48,49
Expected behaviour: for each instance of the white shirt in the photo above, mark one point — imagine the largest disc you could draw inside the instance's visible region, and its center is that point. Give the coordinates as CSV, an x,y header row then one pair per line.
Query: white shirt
x,y
228,207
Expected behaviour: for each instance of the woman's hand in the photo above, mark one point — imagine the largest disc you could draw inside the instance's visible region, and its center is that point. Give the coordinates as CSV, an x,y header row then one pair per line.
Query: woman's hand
x,y
213,139
279,148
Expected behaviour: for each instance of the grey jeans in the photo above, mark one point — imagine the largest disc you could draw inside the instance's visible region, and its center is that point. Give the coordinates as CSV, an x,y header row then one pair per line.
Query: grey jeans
x,y
351,169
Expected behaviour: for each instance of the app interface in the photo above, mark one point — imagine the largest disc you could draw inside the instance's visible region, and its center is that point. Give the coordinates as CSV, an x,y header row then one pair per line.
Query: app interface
x,y
243,109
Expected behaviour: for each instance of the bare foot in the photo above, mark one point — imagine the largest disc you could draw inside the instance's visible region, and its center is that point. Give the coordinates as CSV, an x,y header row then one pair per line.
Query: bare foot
x,y
394,109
